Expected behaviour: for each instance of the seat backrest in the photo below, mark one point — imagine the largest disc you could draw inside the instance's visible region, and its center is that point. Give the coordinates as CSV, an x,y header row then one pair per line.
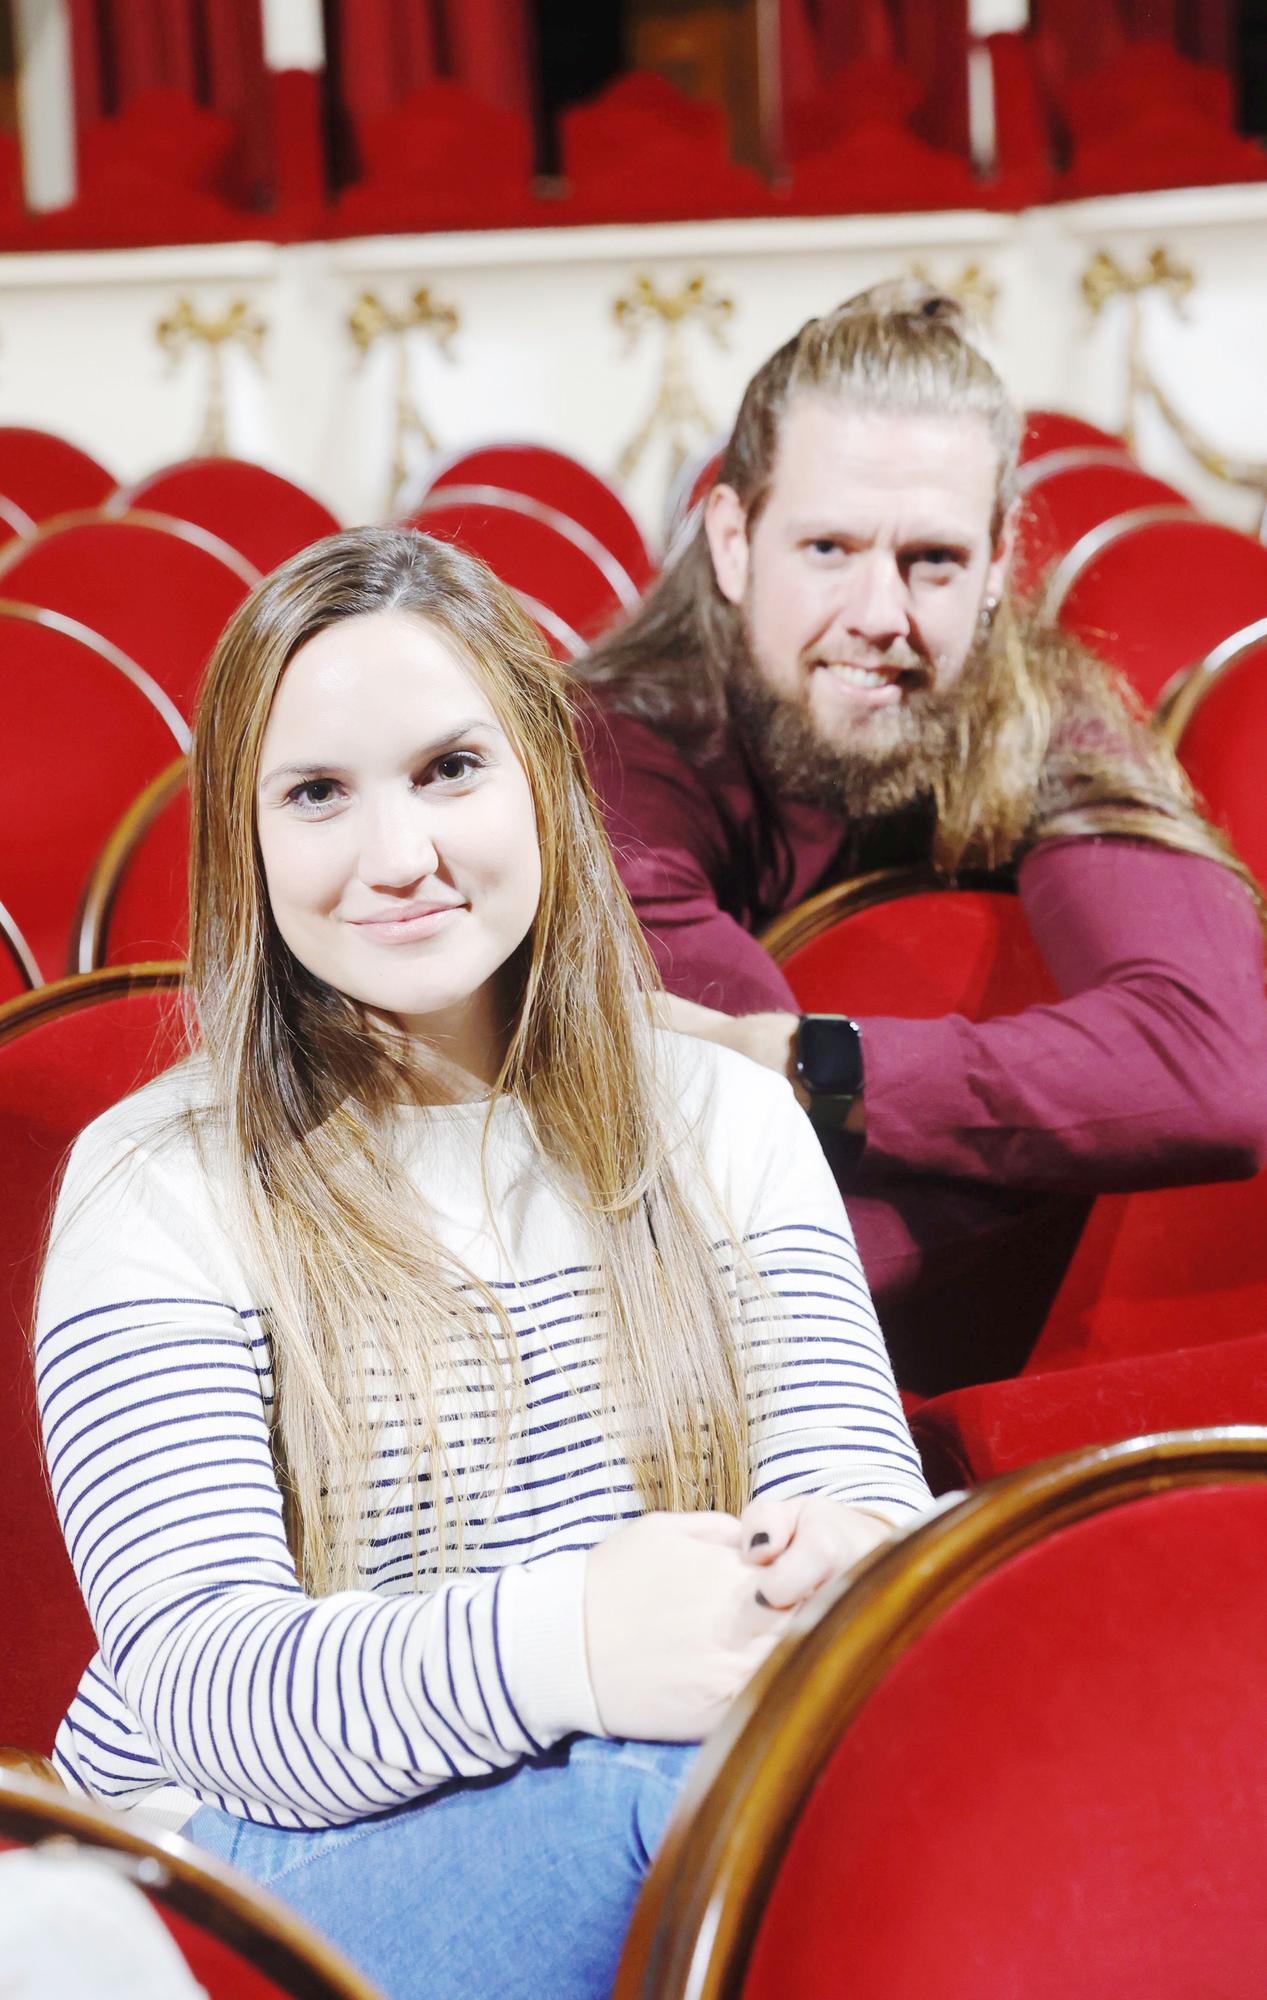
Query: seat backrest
x,y
162,590
1056,430
534,550
1154,595
262,515
47,475
83,730
1021,1754
899,944
67,1052
1219,728
239,1942
1072,493
561,482
136,904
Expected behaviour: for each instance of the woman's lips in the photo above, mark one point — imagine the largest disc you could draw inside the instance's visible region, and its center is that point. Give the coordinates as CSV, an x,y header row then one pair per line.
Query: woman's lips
x,y
410,925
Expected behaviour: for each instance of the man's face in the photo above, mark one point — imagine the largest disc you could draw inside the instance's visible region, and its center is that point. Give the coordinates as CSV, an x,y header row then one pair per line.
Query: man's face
x,y
864,577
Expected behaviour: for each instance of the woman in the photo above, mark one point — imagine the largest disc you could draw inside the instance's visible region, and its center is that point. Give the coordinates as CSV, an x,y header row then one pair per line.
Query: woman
x,y
449,1383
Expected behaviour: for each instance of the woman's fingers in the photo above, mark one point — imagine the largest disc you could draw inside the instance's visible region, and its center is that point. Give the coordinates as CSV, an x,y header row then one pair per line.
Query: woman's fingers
x,y
766,1528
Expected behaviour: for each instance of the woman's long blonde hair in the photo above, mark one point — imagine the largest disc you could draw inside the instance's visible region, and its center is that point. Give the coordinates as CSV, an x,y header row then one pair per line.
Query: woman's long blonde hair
x,y
1054,742
363,1305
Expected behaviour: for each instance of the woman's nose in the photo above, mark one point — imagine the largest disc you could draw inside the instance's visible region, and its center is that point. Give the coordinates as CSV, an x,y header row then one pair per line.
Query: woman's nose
x,y
398,844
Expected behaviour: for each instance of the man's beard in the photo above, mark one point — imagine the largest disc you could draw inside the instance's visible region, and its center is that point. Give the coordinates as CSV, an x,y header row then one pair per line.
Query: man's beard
x,y
890,760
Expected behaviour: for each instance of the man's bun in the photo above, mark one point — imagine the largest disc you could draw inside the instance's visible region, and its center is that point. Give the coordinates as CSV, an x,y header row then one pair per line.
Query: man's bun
x,y
907,298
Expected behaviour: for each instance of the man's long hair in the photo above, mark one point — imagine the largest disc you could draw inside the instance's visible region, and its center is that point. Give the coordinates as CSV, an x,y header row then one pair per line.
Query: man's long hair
x,y
1048,742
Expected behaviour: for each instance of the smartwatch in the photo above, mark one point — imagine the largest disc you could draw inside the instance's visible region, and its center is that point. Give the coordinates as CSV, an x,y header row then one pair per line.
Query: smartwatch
x,y
829,1068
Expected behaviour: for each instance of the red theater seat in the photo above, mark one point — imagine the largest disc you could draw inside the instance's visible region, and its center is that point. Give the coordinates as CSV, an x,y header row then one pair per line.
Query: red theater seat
x,y
162,590
1055,430
1218,724
83,730
45,475
1021,1755
1071,493
902,944
974,1434
239,1942
66,1054
263,516
540,555
562,483
136,904
1155,595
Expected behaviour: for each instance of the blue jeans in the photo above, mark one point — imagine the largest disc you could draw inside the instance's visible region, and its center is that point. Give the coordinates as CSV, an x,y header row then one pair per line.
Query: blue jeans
x,y
514,1887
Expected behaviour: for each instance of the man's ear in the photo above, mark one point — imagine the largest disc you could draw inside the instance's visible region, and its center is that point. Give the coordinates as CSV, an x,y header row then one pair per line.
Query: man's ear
x,y
726,526
1001,555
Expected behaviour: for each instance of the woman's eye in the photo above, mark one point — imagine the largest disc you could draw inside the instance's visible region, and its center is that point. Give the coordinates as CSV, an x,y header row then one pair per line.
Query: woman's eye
x,y
455,765
314,795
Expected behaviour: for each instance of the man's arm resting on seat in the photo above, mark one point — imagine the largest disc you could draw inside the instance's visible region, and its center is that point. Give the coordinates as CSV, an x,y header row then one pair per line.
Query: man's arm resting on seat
x,y
1151,1071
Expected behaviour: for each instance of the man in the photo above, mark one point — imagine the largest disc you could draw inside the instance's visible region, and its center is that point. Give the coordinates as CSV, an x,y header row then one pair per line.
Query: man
x,y
830,675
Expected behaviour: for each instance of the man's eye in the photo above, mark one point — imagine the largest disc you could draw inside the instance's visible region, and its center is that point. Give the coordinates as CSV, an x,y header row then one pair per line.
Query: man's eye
x,y
936,558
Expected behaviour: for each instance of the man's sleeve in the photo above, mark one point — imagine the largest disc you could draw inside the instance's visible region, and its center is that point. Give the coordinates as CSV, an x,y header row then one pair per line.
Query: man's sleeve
x,y
669,838
1151,1071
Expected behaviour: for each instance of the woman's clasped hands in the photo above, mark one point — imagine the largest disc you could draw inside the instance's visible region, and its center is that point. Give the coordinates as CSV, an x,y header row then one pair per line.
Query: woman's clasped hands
x,y
681,1609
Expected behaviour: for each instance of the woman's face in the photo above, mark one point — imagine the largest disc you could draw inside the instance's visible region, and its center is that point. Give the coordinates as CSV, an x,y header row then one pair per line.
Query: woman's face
x,y
397,831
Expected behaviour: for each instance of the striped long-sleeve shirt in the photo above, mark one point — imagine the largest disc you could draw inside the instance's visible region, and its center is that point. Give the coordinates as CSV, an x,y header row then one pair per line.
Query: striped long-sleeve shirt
x,y
217,1679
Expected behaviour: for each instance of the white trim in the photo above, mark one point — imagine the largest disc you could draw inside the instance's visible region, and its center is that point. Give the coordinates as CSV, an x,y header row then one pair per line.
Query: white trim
x,y
73,628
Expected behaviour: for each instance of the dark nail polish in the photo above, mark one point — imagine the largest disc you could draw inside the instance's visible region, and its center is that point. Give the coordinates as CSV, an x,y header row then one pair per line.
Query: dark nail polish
x,y
758,1541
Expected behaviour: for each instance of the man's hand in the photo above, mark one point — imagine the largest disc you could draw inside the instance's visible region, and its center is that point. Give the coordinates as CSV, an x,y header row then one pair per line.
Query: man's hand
x,y
799,1545
764,1038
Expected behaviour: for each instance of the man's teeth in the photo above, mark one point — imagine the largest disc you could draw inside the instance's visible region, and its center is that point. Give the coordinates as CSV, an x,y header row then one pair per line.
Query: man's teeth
x,y
861,677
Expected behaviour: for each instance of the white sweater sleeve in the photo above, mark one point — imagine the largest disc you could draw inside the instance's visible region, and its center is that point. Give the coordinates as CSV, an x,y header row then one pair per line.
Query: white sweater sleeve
x,y
155,1394
825,1415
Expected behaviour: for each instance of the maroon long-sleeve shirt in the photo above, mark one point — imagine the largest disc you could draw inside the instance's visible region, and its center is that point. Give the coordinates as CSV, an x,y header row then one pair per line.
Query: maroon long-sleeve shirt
x,y
1150,1071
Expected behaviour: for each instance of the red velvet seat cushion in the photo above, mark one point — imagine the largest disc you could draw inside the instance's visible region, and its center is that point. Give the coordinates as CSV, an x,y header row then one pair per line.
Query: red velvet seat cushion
x,y
1157,600
53,1080
257,512
80,740
531,556
157,592
1058,1789
970,1435
1222,751
47,475
149,917
562,482
1058,509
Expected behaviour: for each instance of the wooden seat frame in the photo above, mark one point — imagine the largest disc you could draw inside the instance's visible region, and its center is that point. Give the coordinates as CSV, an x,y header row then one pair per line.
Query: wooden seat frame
x,y
180,1877
800,926
83,989
92,930
1186,693
16,948
701,1905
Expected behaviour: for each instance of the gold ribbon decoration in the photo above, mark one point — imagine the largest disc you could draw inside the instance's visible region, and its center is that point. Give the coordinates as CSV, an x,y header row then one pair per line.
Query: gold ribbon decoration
x,y
1105,280
371,320
677,410
182,331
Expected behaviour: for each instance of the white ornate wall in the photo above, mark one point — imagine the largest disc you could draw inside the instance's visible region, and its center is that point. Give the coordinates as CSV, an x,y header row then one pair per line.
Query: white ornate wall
x,y
537,352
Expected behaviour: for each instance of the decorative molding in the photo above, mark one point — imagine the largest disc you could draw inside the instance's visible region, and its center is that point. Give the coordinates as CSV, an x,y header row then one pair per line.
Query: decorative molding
x,y
1106,280
181,330
677,411
370,321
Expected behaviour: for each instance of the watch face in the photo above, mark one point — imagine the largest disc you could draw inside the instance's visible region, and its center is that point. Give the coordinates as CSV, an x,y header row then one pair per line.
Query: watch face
x,y
829,1055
